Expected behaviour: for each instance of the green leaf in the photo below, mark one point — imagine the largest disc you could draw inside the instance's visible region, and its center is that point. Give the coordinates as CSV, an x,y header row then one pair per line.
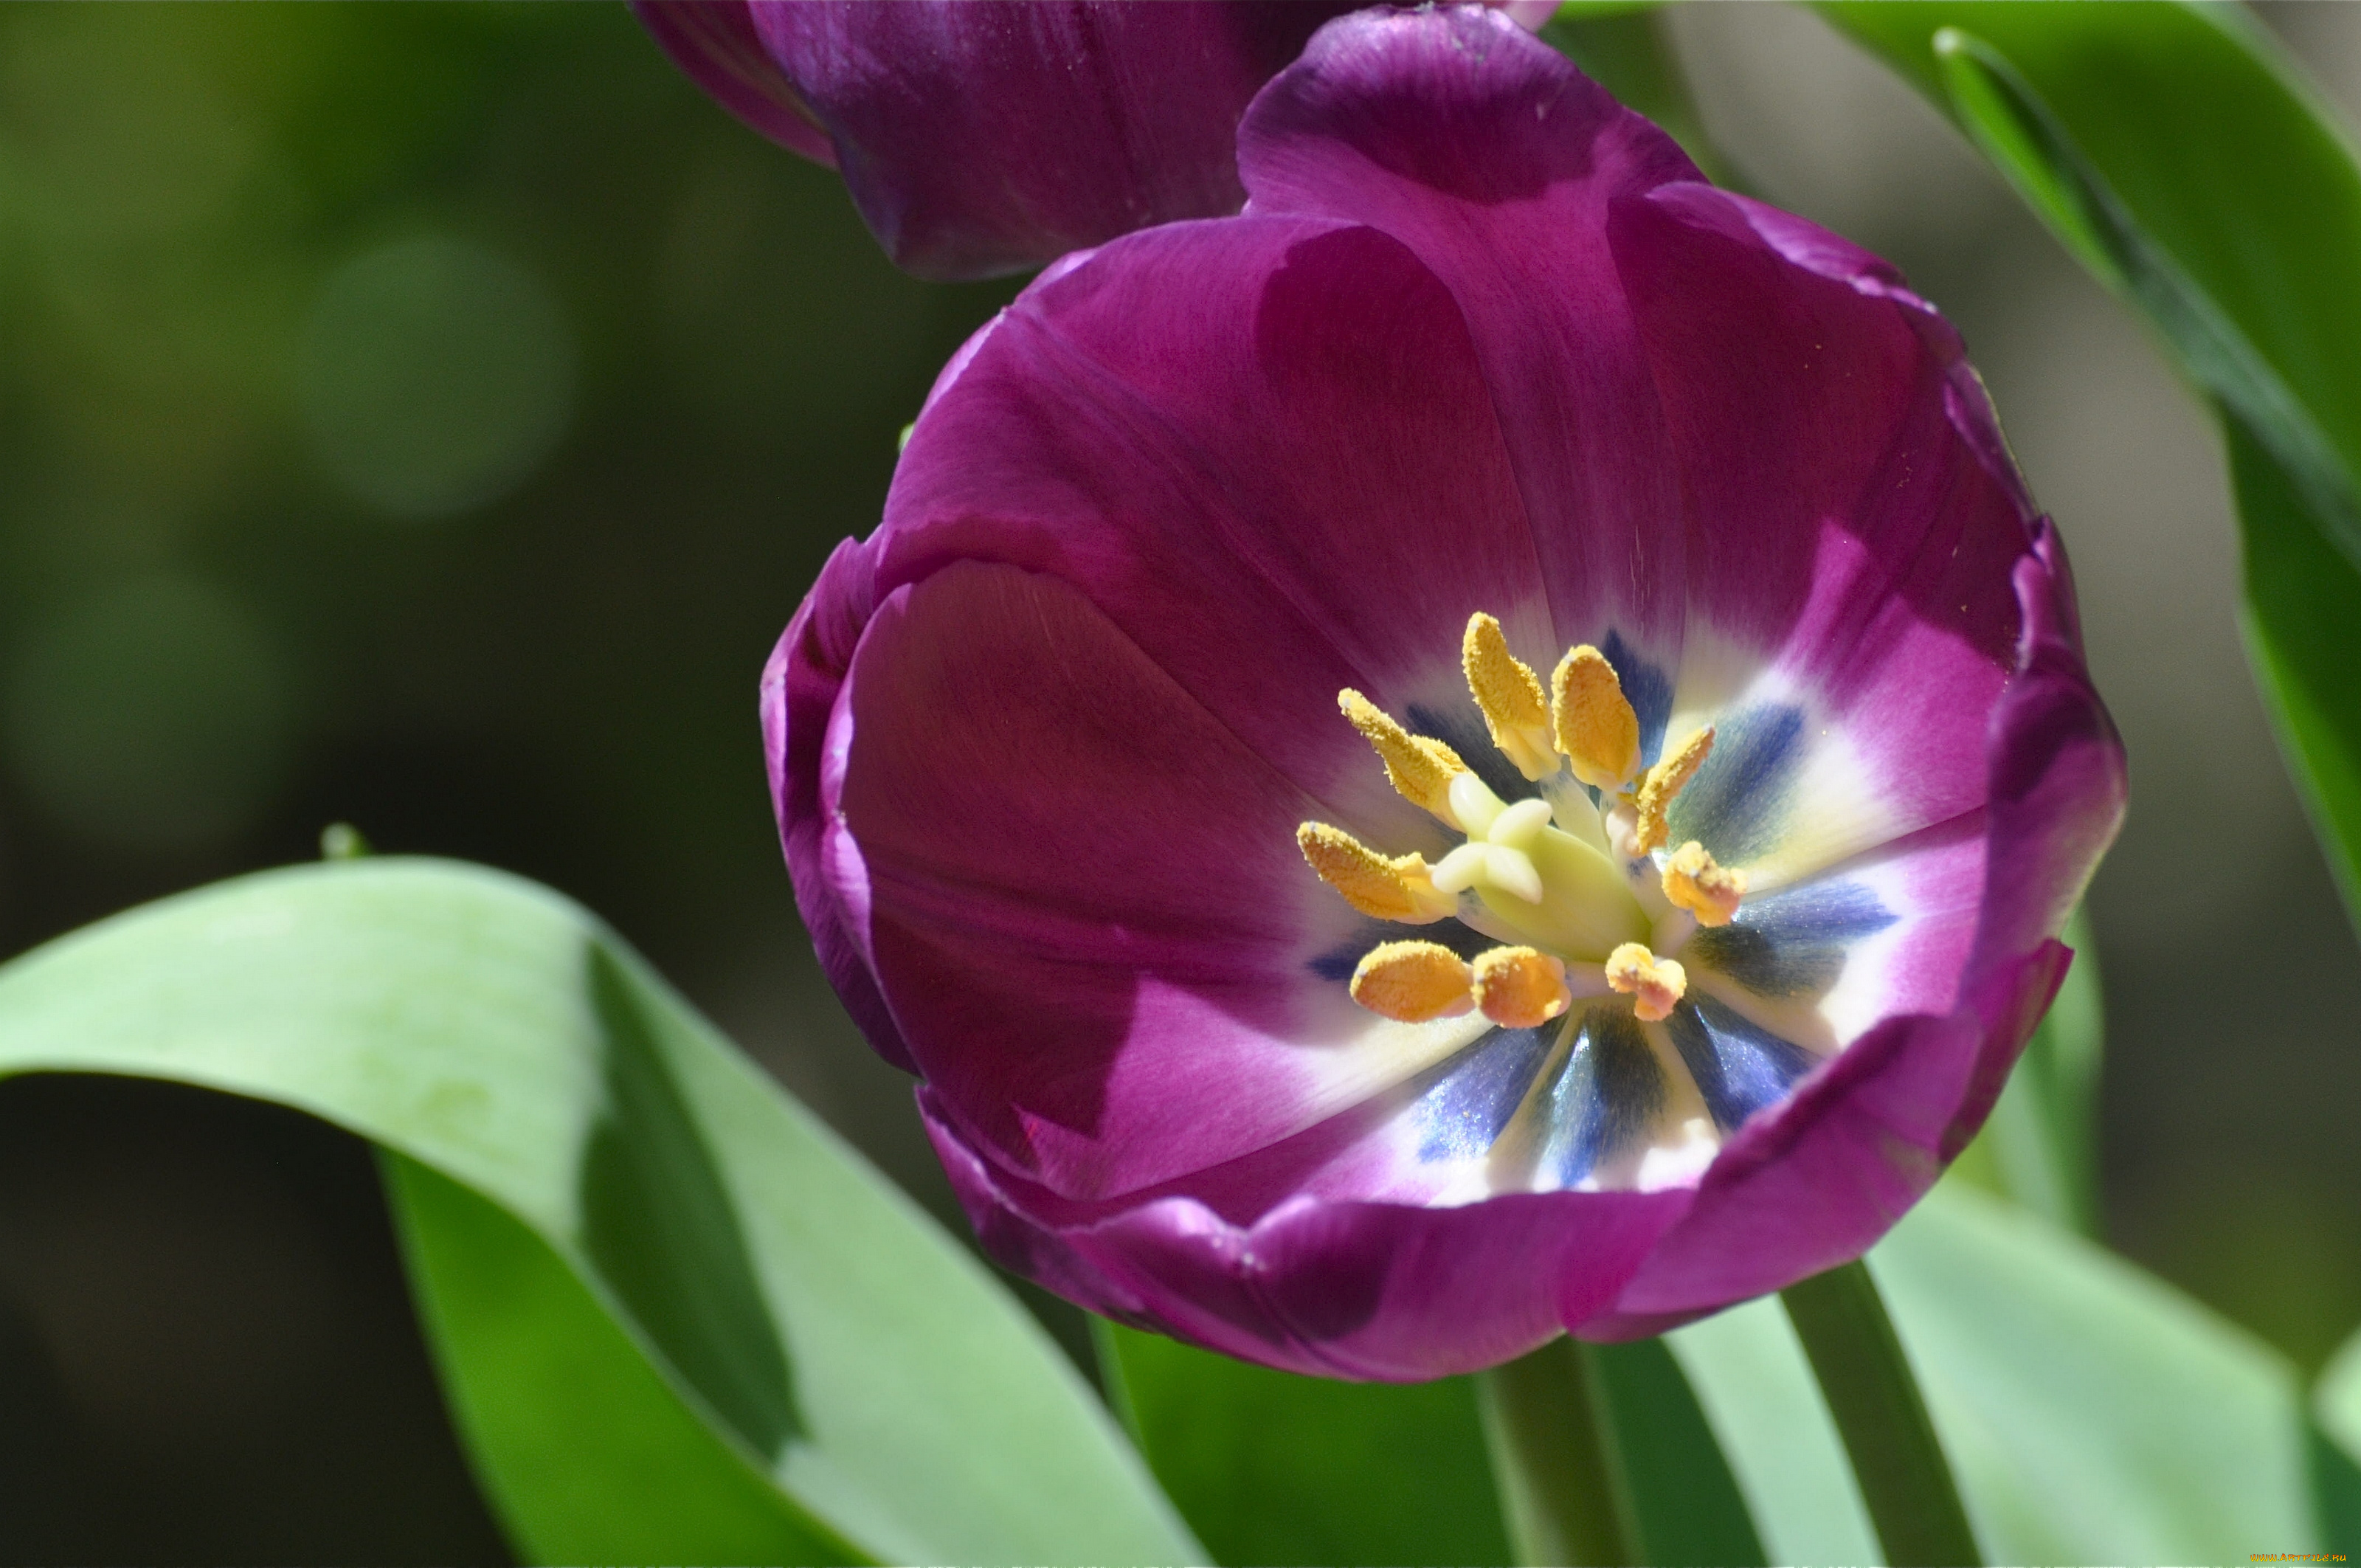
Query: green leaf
x,y
2335,1446
590,1456
1269,1468
2091,1413
2336,1491
2094,1412
2039,1147
2180,157
796,1322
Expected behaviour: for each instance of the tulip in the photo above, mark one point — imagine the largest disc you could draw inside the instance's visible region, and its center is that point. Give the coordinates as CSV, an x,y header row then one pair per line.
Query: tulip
x,y
983,137
1490,747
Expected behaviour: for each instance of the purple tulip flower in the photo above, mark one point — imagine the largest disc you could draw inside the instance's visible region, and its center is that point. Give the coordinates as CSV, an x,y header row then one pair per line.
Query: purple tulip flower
x,y
1735,762
981,136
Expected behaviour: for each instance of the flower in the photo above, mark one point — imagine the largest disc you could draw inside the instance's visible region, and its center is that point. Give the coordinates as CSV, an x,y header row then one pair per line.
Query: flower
x,y
981,137
1491,746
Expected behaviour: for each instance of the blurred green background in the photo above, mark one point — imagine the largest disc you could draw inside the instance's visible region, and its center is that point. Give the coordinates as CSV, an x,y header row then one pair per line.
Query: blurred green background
x,y
427,416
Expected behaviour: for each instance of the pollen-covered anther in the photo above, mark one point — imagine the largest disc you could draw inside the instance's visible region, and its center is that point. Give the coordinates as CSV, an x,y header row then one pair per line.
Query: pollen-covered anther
x,y
1666,780
1655,985
1412,982
1521,988
1698,883
1592,722
1509,692
1421,768
1395,887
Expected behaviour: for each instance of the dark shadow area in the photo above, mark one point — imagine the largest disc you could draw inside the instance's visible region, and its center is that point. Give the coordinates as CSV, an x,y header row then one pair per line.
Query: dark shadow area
x,y
660,1224
207,1349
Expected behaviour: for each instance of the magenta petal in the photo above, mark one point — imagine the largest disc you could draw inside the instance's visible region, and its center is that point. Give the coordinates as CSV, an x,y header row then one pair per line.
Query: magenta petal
x,y
1379,1291
990,136
2059,785
1854,527
717,43
1496,161
1273,502
1082,895
799,689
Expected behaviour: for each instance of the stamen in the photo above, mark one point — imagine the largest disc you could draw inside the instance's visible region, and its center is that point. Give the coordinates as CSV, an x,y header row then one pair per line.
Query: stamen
x,y
1412,982
1421,768
1664,781
1698,883
1519,988
1396,888
1655,984
1511,695
1592,721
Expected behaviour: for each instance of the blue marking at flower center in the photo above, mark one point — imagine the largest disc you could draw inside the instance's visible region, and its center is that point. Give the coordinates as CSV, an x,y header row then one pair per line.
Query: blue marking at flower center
x,y
1607,1094
1792,943
1739,801
1467,1108
1739,1067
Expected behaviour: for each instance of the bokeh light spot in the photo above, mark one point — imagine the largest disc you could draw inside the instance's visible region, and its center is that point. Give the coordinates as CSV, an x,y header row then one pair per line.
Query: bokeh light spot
x,y
435,376
153,716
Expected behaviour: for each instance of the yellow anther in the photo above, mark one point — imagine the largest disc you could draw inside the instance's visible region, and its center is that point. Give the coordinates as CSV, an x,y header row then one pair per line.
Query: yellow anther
x,y
1655,984
1592,721
1398,887
1698,883
1519,988
1511,695
1421,768
1413,981
1664,781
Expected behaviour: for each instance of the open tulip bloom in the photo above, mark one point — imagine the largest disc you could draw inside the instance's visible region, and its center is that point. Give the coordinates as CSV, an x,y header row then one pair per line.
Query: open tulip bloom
x,y
1491,746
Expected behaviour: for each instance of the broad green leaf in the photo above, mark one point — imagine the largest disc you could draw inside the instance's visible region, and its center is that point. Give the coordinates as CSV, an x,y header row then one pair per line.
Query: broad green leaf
x,y
2175,152
810,1326
2040,1145
590,1456
2302,626
2335,1447
2093,1414
1269,1468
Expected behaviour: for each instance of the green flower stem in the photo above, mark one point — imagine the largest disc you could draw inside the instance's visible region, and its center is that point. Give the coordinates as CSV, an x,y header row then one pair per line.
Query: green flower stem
x,y
1562,1491
1905,1479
